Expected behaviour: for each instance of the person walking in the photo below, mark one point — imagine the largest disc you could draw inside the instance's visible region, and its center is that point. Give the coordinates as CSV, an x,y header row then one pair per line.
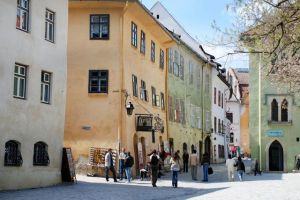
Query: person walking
x,y
230,168
154,162
240,168
122,157
298,164
205,164
256,168
194,164
185,159
175,167
129,162
109,165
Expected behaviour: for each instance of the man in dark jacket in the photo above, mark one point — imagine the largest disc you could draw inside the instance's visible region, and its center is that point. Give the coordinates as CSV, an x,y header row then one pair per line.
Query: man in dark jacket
x,y
154,162
240,167
185,159
129,162
205,163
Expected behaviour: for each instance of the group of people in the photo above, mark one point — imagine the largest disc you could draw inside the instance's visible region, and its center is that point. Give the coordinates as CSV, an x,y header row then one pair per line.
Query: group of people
x,y
239,165
126,162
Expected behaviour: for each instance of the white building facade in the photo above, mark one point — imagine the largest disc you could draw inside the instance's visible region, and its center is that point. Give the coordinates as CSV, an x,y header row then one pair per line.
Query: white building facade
x,y
220,124
33,70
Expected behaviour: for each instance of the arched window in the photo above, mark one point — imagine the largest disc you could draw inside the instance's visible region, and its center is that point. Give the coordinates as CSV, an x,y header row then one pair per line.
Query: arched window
x,y
231,137
284,110
274,109
12,155
192,148
40,156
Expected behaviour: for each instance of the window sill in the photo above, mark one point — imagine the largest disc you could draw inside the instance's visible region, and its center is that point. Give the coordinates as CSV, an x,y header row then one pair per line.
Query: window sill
x,y
290,122
24,30
22,98
97,94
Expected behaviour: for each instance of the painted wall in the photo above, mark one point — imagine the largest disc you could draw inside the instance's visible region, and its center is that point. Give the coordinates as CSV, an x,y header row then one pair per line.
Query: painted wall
x,y
30,121
110,126
289,130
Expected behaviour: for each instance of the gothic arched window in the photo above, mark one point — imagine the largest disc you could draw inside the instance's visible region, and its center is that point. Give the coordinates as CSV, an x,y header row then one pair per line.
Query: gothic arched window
x,y
274,111
40,156
12,155
284,110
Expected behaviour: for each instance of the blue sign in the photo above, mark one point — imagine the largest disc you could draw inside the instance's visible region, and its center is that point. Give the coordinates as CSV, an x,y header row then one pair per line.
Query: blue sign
x,y
275,133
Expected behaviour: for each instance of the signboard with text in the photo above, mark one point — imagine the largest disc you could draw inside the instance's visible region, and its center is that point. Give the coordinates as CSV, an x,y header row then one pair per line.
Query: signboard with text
x,y
275,133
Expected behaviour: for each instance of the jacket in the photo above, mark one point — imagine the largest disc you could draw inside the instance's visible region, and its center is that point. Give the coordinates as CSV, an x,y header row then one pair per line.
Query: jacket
x,y
205,159
240,165
174,165
108,158
185,157
194,159
129,161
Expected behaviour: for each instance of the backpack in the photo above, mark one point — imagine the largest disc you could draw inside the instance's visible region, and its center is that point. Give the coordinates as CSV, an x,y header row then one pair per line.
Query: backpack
x,y
154,161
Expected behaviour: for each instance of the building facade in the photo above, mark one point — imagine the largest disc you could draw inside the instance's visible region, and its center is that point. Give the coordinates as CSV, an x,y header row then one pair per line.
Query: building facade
x,y
189,88
220,124
33,69
121,64
274,116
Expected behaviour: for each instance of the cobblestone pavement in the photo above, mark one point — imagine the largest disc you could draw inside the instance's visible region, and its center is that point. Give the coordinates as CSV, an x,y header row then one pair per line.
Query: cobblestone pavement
x,y
265,187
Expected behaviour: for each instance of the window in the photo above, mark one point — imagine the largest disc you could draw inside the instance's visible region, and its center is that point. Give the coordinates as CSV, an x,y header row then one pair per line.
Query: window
x,y
284,110
229,116
207,80
215,95
222,127
208,120
134,39
152,51
45,87
176,63
23,15
143,43
98,81
49,32
170,64
99,27
40,156
20,79
171,109
231,137
153,96
219,98
134,86
182,111
144,92
191,73
162,100
222,99
219,126
181,68
215,124
274,111
162,59
198,78
12,155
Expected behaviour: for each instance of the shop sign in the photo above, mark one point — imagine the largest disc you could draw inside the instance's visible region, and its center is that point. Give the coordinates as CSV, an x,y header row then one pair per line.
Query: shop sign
x,y
275,133
144,123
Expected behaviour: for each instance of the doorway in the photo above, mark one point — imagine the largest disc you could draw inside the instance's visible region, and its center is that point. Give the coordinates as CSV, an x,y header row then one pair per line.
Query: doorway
x,y
276,157
207,146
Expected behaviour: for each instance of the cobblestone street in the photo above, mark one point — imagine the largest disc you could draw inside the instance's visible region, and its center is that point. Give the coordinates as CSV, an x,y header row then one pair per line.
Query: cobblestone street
x,y
267,186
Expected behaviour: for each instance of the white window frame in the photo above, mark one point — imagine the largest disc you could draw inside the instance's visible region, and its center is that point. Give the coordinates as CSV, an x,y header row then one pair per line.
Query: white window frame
x,y
19,76
23,8
49,21
45,82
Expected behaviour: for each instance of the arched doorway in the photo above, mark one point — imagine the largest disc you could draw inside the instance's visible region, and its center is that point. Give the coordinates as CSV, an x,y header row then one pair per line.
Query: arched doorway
x,y
207,146
184,147
192,148
276,157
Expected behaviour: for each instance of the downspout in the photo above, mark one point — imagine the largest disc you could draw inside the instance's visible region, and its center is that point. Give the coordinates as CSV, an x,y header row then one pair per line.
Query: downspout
x,y
202,105
259,112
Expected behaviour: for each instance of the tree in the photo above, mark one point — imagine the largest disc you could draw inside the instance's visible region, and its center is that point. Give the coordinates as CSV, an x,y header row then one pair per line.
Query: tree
x,y
272,28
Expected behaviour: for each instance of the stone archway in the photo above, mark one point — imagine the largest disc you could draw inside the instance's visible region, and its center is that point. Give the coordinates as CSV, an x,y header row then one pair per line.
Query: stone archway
x,y
276,159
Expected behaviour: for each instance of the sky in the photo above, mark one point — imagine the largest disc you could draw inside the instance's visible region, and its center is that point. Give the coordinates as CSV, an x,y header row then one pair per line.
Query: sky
x,y
197,17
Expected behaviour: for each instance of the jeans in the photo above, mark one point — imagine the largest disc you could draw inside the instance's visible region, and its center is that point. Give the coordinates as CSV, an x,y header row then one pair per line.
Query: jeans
x,y
154,173
205,172
185,166
121,168
240,174
194,172
128,173
174,178
112,169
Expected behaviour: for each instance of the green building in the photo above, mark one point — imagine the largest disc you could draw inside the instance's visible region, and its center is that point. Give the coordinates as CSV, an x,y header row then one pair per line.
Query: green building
x,y
274,120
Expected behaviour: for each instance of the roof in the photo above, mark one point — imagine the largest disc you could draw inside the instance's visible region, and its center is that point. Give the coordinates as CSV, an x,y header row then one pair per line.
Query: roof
x,y
242,76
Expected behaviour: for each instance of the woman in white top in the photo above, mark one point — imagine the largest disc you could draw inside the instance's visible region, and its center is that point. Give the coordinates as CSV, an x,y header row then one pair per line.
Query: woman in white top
x,y
175,167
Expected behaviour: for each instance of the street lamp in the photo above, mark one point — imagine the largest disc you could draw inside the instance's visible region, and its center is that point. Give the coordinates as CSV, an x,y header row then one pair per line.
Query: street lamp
x,y
129,108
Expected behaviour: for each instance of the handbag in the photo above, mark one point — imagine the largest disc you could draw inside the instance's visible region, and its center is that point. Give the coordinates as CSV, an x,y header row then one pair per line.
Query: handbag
x,y
210,170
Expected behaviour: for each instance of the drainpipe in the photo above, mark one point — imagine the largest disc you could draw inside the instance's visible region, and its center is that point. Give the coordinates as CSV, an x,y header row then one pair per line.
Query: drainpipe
x,y
202,105
259,112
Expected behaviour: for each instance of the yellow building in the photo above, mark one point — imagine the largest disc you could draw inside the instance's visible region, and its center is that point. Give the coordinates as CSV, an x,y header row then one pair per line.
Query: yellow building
x,y
116,55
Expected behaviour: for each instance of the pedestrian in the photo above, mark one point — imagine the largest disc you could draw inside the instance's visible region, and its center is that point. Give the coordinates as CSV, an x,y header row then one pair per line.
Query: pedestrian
x,y
240,168
129,162
122,157
256,168
154,161
298,164
175,167
185,159
194,164
109,165
230,168
205,164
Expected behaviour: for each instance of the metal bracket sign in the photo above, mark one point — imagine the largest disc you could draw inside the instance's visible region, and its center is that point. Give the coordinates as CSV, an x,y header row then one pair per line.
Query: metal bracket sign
x,y
144,123
275,133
